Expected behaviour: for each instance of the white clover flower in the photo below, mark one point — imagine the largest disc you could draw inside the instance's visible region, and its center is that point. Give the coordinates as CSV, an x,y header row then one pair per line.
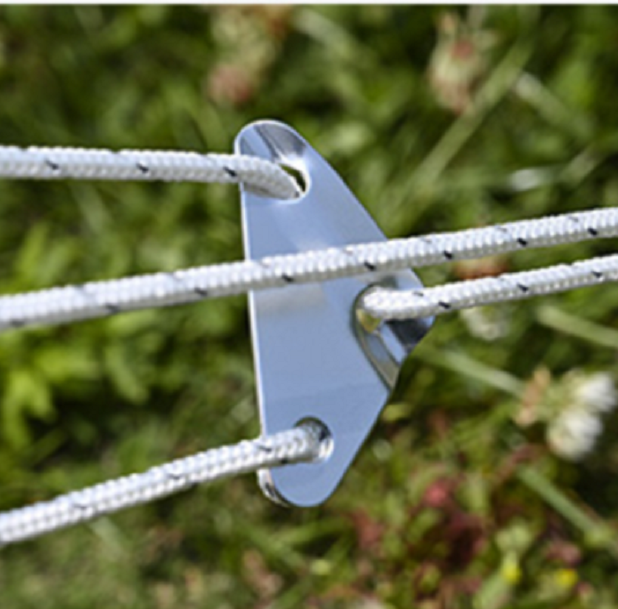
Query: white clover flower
x,y
573,433
597,392
582,399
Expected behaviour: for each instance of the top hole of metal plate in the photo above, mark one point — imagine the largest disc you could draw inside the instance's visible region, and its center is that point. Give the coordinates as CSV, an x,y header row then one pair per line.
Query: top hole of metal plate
x,y
299,177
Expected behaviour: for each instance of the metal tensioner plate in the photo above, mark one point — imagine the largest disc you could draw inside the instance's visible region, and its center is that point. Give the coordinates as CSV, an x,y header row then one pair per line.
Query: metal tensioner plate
x,y
313,359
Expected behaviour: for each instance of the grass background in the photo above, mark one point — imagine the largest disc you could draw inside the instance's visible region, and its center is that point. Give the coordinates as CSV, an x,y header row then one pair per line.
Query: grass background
x,y
438,119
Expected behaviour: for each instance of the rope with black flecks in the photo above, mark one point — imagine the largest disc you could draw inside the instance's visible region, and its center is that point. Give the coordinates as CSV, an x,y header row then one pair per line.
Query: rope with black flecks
x,y
303,444
102,298
36,163
307,442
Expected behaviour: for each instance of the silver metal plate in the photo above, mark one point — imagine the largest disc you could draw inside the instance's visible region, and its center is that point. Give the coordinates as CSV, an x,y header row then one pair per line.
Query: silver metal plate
x,y
313,360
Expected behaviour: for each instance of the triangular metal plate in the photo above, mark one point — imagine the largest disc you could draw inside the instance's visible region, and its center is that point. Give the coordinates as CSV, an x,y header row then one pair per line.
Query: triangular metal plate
x,y
312,360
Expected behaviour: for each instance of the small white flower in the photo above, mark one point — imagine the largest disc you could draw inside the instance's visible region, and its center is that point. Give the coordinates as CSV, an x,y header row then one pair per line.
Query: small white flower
x,y
573,433
597,392
580,400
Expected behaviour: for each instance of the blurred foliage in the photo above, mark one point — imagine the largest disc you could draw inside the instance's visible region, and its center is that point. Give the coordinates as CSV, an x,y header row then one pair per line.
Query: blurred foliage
x,y
438,119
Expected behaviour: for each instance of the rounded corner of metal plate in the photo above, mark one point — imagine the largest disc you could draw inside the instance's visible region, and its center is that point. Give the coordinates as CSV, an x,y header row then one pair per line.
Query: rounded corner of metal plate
x,y
271,140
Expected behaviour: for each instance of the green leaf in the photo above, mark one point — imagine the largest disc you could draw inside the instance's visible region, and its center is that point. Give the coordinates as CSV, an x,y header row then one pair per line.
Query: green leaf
x,y
25,394
122,374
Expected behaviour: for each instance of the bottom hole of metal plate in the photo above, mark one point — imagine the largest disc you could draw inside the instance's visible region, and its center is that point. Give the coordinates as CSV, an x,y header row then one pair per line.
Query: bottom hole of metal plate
x,y
327,443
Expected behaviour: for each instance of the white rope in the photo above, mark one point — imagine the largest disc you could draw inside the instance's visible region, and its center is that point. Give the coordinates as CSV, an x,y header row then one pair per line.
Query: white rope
x,y
96,299
302,444
87,164
308,442
408,304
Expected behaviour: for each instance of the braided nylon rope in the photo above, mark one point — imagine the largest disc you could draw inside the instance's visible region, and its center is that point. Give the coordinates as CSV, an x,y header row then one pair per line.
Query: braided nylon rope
x,y
407,304
96,299
303,444
86,164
